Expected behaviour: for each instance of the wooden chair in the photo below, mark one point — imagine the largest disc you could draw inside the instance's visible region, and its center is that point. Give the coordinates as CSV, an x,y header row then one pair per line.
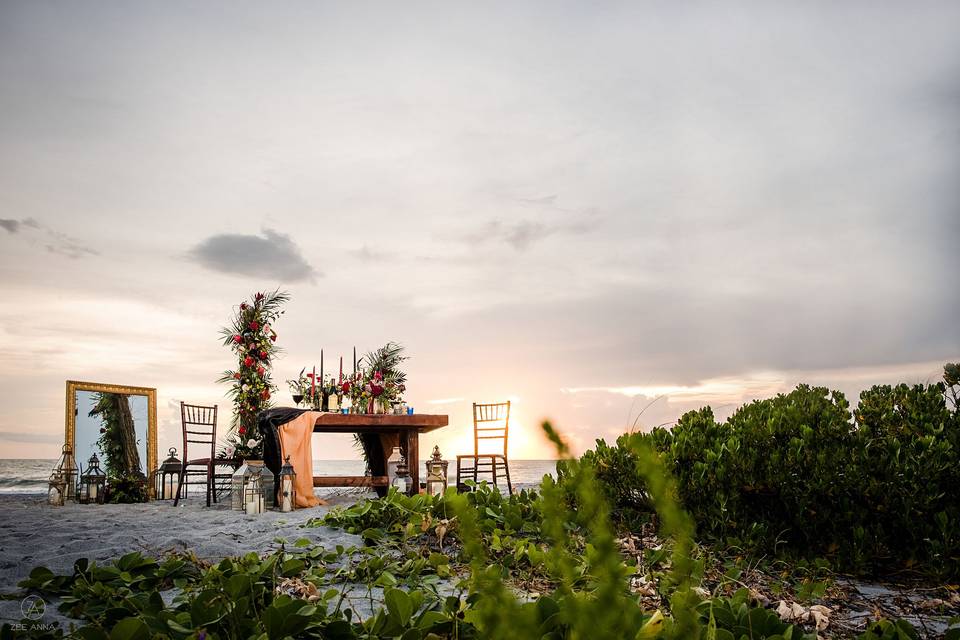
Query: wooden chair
x,y
200,428
490,422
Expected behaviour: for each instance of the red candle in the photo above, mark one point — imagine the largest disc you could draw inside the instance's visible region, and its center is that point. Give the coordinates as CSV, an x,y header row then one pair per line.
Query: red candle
x,y
313,383
341,370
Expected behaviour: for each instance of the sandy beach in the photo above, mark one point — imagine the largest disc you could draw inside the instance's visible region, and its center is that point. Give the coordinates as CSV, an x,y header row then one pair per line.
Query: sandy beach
x,y
33,533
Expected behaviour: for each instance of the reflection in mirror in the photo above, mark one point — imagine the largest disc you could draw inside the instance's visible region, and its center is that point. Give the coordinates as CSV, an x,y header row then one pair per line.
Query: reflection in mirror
x,y
114,427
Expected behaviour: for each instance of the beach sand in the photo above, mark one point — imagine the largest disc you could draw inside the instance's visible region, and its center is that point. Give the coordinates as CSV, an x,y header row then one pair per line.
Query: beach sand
x,y
33,533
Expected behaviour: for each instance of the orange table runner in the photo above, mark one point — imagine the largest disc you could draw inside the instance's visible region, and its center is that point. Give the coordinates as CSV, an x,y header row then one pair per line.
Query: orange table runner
x,y
295,441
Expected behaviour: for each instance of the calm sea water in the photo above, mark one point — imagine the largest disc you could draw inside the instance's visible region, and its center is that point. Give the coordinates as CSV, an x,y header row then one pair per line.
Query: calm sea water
x,y
30,476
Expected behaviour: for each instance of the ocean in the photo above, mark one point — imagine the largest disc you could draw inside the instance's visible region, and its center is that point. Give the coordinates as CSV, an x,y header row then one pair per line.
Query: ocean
x,y
30,476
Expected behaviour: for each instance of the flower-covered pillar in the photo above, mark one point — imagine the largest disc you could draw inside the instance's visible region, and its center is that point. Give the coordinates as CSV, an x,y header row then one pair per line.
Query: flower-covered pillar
x,y
252,338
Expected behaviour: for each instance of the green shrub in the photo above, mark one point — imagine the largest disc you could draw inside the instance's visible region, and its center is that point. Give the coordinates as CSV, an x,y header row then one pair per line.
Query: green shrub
x,y
873,489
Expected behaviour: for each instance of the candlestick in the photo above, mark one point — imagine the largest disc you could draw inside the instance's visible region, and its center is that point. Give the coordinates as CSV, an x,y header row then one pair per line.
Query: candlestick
x,y
313,384
340,380
321,367
354,361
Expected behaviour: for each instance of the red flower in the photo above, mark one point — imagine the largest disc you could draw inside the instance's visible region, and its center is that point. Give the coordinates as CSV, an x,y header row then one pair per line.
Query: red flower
x,y
241,430
259,297
266,394
263,354
260,370
254,325
238,338
248,361
345,387
237,375
243,306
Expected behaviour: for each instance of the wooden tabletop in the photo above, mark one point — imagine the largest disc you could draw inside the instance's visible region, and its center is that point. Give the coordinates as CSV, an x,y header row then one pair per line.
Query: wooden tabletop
x,y
366,422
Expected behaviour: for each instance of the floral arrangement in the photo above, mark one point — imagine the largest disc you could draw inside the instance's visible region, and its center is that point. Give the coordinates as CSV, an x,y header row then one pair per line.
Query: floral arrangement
x,y
251,337
381,381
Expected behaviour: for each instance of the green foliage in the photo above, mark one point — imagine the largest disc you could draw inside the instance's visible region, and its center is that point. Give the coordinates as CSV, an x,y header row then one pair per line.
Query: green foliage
x,y
127,488
562,542
799,473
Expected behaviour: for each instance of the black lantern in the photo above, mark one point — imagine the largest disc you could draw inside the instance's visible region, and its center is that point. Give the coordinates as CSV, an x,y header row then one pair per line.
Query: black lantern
x,y
288,487
167,479
436,473
67,467
93,483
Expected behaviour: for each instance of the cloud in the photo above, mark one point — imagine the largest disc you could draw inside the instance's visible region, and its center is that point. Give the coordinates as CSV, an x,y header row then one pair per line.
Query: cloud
x,y
520,235
33,438
366,254
272,255
52,240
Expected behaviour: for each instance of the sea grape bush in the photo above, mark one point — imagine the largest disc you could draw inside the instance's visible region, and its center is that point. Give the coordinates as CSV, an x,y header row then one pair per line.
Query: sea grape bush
x,y
875,488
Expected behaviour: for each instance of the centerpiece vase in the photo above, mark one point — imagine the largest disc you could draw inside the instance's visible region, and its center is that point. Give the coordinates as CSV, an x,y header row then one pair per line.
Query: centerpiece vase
x,y
370,406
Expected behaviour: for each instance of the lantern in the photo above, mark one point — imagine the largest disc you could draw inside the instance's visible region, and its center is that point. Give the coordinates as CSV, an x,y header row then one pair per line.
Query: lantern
x,y
57,492
402,482
288,487
253,495
93,483
67,466
242,476
167,479
436,473
392,462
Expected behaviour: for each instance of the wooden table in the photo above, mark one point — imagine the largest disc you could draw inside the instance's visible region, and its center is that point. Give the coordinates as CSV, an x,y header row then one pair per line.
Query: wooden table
x,y
393,430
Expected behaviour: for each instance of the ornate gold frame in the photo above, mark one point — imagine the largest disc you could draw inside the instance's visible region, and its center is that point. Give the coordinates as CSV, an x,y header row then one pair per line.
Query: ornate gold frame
x,y
70,427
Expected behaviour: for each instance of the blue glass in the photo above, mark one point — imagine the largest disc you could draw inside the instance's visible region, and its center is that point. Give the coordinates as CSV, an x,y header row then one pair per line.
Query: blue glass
x,y
409,411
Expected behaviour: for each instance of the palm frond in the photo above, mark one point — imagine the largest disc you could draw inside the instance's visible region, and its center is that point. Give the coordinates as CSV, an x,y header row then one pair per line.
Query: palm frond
x,y
387,360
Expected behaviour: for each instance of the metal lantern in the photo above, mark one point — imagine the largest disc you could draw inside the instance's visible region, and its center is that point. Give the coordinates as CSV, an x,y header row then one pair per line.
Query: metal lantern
x,y
93,483
436,473
57,492
253,503
392,462
167,479
242,476
288,487
403,482
67,466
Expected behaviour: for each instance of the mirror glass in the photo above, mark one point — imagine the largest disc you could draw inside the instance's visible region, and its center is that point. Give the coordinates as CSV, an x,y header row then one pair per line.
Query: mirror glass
x,y
114,426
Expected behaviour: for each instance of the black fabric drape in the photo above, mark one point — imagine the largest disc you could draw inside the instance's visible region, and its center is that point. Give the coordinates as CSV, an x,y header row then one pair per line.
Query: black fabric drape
x,y
268,423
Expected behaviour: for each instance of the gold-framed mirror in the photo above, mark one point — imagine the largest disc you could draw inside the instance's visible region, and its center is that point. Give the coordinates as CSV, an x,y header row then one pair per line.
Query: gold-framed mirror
x,y
117,423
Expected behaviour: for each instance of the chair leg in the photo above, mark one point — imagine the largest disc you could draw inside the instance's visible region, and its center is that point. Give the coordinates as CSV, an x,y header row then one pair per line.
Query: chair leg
x,y
458,474
209,482
506,467
476,465
493,472
183,471
213,484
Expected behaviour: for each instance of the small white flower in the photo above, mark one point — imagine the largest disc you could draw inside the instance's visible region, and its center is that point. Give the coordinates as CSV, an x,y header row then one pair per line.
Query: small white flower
x,y
230,450
251,443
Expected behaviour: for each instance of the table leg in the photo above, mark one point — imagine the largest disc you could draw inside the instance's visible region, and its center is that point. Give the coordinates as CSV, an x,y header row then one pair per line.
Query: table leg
x,y
412,438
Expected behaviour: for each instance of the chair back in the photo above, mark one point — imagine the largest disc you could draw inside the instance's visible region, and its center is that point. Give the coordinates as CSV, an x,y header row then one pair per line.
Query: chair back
x,y
491,422
199,427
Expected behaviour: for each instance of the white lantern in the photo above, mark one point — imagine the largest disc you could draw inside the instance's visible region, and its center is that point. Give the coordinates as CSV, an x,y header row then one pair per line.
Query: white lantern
x,y
403,482
57,492
253,496
436,473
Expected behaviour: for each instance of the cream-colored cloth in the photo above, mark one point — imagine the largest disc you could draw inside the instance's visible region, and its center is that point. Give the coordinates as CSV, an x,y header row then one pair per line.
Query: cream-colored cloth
x,y
295,441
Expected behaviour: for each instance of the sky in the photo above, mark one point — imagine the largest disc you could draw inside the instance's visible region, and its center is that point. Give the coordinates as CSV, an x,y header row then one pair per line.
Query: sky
x,y
610,213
